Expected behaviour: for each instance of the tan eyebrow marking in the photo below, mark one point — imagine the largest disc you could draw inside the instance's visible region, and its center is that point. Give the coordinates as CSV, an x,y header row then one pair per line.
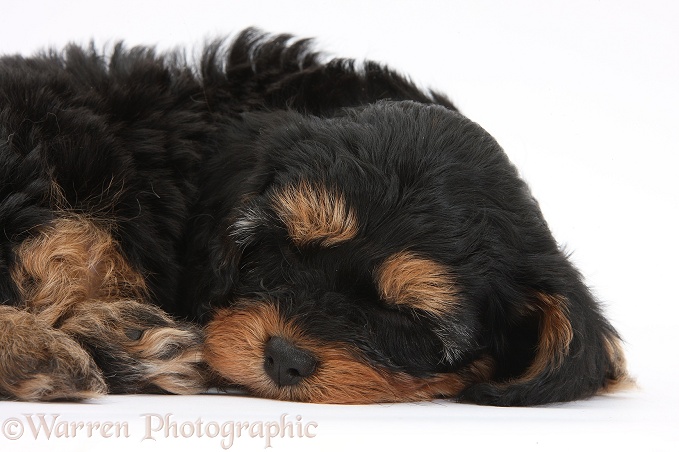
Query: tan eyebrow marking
x,y
313,213
407,279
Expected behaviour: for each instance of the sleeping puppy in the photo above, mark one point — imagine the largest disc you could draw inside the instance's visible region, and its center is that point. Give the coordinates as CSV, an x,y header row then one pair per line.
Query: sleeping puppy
x,y
372,244
306,229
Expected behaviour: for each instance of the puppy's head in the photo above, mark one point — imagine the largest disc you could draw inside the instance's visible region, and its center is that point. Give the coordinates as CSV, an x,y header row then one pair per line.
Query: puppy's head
x,y
348,266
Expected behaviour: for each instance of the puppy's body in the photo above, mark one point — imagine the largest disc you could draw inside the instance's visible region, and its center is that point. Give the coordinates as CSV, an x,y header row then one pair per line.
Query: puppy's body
x,y
97,161
344,236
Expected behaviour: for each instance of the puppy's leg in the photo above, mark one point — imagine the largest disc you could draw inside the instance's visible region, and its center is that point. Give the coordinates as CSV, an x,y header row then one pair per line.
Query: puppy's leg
x,y
38,362
138,347
74,277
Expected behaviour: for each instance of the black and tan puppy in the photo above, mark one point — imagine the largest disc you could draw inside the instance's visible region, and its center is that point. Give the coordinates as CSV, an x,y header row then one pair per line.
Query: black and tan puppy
x,y
343,236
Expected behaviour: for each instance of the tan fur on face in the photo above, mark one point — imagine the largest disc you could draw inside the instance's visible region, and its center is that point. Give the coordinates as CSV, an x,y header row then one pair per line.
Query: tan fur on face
x,y
235,344
71,261
315,214
405,279
38,362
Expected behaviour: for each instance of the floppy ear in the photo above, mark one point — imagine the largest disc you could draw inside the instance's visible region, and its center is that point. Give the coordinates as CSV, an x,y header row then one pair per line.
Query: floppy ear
x,y
212,260
212,252
555,333
216,238
577,354
237,168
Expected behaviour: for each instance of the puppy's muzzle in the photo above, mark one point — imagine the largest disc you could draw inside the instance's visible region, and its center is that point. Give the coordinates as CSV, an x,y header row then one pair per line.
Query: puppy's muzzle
x,y
287,364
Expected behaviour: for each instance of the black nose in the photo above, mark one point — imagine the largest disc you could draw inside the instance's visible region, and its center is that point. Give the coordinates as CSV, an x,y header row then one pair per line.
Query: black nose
x,y
287,364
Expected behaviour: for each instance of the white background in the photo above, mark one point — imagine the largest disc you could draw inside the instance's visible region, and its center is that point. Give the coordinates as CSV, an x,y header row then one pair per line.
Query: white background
x,y
582,95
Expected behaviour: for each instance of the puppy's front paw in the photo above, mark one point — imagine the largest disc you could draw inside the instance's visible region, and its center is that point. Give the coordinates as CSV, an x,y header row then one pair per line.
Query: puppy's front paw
x,y
39,363
139,347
